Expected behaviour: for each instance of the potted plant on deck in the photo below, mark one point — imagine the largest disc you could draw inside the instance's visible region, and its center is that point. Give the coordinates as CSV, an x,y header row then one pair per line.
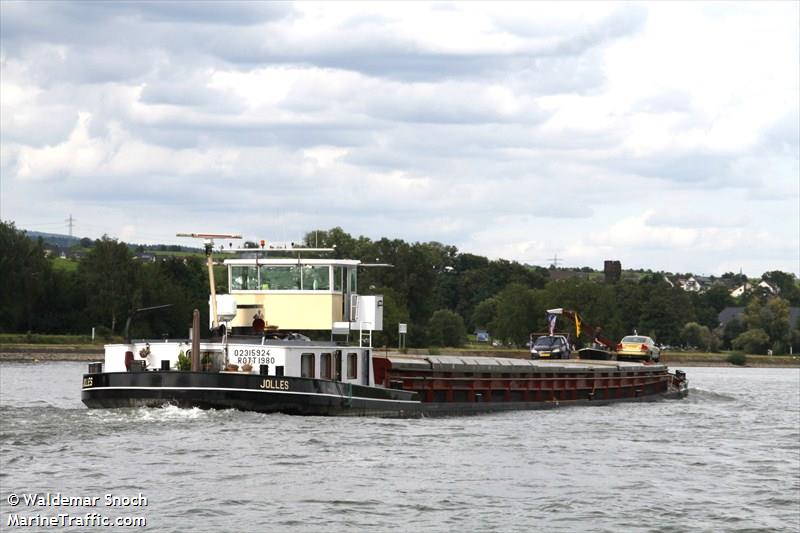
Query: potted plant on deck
x,y
184,361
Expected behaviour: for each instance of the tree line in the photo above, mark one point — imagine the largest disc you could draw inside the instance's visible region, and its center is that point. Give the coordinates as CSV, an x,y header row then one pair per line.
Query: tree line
x,y
39,295
441,293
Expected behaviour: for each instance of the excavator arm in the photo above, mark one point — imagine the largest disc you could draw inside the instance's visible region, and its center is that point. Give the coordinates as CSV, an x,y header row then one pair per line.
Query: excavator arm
x,y
583,327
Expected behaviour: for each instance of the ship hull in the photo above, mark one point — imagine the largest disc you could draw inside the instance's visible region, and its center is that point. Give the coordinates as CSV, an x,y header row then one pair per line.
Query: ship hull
x,y
247,392
300,396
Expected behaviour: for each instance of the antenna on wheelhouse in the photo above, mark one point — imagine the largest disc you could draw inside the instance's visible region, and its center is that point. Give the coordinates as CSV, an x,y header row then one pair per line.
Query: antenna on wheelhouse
x,y
265,246
208,245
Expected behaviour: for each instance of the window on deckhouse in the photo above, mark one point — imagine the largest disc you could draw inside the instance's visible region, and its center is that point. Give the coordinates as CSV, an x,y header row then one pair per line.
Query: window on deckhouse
x,y
307,365
325,367
352,366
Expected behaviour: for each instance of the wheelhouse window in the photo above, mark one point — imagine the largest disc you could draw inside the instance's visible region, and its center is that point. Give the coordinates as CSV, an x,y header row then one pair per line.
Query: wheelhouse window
x,y
244,278
352,366
351,280
293,277
307,365
337,278
325,366
280,278
316,278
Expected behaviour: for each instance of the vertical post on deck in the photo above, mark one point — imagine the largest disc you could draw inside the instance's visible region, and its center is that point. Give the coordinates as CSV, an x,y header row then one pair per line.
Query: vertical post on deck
x,y
209,247
196,341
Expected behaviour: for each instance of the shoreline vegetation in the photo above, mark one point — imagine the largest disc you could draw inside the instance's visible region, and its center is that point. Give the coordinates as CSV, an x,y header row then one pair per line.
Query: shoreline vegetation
x,y
439,293
67,351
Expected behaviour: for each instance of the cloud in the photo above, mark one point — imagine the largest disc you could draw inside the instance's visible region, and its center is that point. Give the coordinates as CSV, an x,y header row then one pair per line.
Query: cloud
x,y
523,130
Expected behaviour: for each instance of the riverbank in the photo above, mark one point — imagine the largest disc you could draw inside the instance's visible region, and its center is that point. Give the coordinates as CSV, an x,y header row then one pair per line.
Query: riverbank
x,y
670,358
94,352
51,352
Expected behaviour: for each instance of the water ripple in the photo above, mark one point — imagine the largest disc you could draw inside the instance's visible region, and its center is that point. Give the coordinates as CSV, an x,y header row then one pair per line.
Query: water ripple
x,y
726,459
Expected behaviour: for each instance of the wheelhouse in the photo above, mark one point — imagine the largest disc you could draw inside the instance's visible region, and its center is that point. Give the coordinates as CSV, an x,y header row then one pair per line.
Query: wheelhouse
x,y
293,293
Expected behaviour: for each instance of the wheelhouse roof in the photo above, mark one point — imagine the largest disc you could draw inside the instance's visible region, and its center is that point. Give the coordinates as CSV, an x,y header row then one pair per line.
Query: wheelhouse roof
x,y
287,261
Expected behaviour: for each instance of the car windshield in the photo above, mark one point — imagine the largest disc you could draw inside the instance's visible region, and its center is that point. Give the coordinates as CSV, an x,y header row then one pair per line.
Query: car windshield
x,y
545,342
631,339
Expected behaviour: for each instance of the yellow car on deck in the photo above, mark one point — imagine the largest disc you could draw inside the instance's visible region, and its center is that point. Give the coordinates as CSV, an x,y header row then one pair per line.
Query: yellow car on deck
x,y
638,347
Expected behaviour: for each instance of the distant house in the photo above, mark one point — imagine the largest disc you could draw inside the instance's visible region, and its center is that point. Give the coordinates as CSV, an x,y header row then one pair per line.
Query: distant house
x,y
738,291
705,282
693,283
764,286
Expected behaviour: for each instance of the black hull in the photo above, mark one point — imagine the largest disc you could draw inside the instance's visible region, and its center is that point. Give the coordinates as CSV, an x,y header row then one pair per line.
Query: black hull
x,y
290,395
247,392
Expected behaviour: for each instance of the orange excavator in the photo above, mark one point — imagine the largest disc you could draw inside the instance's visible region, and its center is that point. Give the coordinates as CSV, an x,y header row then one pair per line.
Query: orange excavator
x,y
601,347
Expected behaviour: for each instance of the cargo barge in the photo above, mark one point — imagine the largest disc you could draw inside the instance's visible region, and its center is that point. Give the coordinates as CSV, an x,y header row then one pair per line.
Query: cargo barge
x,y
250,364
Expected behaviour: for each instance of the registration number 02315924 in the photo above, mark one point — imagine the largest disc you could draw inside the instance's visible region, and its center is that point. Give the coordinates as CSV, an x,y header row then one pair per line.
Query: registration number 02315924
x,y
259,356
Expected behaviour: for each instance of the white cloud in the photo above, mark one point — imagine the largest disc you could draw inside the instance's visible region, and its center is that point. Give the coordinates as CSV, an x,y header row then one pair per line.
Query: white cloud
x,y
665,135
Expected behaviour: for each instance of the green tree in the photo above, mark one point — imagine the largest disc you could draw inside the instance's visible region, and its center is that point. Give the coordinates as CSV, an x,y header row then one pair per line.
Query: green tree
x,y
66,304
754,341
796,339
732,329
485,313
627,301
718,297
664,310
110,275
735,279
181,283
517,309
446,328
786,284
772,317
346,247
486,279
694,334
24,274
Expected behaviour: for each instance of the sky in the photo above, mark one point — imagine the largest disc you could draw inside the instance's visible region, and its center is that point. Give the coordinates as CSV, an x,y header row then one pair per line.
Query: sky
x,y
664,135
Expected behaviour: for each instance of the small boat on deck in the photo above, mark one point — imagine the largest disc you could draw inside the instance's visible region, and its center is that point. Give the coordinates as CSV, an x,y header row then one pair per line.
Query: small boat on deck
x,y
276,371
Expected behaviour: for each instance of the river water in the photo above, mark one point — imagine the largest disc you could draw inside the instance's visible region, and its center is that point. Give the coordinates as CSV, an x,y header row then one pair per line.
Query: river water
x,y
725,459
